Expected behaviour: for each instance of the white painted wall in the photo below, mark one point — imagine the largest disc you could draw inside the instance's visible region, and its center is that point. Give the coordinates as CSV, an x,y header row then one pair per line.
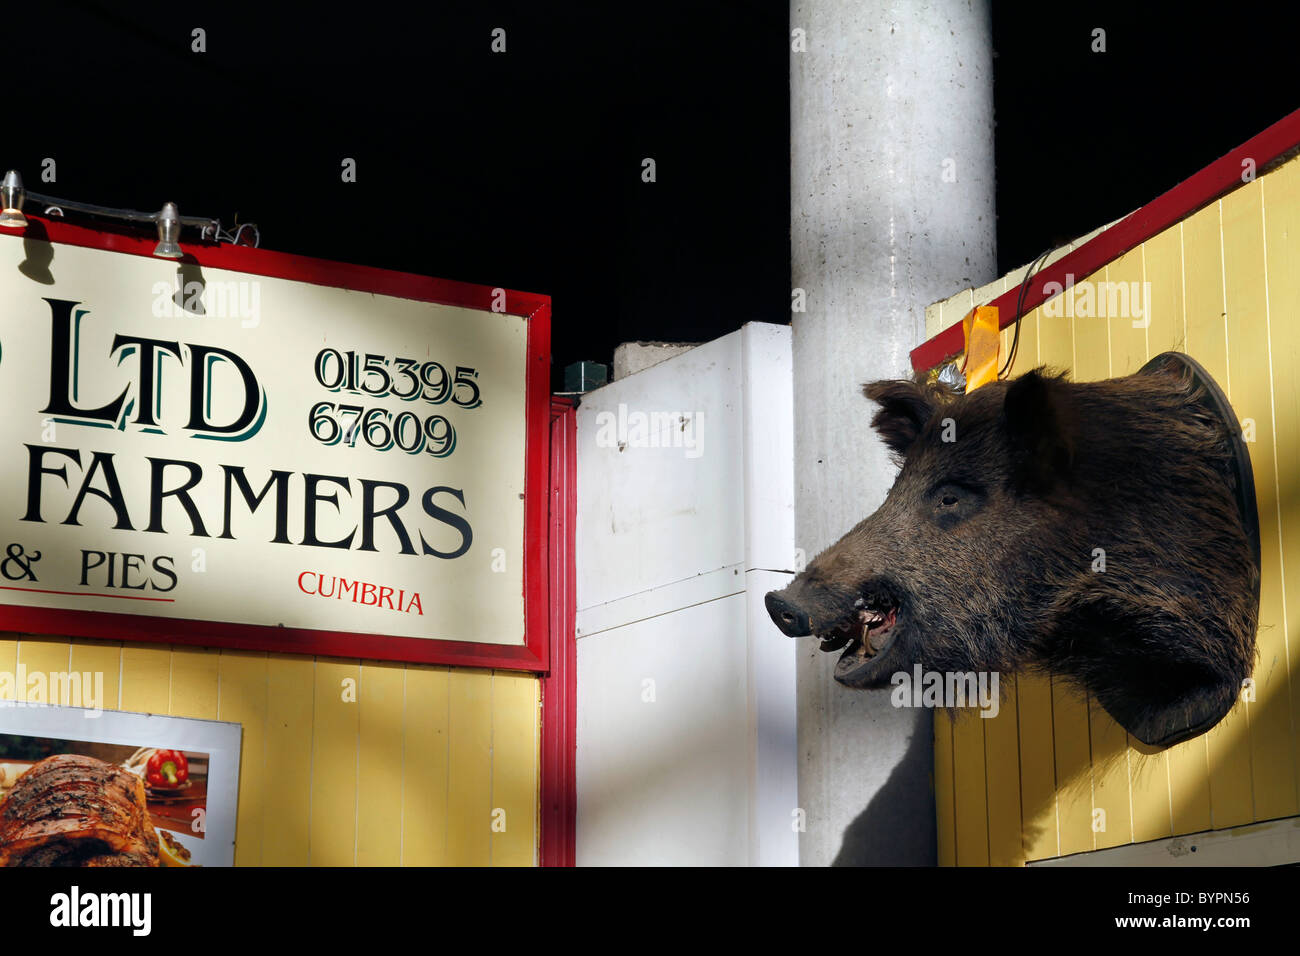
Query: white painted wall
x,y
686,691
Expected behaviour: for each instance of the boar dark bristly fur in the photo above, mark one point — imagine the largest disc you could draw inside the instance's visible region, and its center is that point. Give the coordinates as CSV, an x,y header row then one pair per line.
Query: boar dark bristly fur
x,y
985,554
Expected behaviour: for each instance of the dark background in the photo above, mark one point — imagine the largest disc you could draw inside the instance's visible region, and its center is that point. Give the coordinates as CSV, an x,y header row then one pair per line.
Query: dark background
x,y
523,170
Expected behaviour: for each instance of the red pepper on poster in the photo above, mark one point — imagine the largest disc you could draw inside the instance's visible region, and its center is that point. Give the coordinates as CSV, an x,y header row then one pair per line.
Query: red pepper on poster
x,y
167,768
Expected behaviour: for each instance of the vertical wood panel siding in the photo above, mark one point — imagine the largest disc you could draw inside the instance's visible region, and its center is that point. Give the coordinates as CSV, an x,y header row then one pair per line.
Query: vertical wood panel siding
x,y
1053,774
426,766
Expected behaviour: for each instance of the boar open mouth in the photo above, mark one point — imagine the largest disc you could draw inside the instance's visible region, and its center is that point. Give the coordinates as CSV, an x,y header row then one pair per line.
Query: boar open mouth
x,y
864,635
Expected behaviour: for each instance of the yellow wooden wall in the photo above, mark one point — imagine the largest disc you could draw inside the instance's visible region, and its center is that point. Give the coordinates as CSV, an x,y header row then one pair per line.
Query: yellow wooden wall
x,y
1225,287
409,774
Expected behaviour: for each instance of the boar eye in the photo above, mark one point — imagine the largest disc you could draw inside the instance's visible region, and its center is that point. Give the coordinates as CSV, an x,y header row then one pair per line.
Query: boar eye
x,y
948,494
953,503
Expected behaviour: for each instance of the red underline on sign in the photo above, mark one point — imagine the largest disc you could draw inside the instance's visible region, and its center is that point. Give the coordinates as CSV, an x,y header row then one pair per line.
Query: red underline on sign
x,y
120,597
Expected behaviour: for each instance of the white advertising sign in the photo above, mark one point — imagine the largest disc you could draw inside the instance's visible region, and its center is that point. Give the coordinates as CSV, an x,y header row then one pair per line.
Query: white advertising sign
x,y
210,445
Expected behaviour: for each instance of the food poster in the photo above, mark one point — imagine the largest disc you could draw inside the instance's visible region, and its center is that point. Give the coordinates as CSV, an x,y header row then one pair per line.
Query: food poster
x,y
115,789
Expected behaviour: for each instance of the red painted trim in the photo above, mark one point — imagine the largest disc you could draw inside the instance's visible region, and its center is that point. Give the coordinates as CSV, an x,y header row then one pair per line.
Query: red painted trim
x,y
537,485
532,655
559,790
117,597
108,625
1202,188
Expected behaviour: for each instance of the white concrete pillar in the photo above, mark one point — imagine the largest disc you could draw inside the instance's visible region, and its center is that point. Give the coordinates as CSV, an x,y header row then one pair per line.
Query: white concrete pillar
x,y
891,198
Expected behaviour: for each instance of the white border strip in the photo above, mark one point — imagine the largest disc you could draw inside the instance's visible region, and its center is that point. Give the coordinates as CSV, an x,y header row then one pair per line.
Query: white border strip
x,y
1275,843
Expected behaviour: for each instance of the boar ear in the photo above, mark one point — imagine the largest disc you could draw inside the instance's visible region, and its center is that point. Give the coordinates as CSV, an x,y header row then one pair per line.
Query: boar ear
x,y
905,407
1038,431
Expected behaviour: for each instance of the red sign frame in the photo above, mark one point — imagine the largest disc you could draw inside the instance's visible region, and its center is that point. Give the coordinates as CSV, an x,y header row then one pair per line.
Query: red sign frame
x,y
557,845
532,655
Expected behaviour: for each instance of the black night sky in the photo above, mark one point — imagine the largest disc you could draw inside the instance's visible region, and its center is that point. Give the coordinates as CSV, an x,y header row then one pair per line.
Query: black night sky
x,y
523,169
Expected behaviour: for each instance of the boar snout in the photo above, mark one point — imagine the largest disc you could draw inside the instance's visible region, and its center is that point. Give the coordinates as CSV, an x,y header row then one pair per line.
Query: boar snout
x,y
791,620
861,622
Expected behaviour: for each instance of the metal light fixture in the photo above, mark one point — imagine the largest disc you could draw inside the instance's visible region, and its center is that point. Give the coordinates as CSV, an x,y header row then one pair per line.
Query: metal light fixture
x,y
169,232
11,201
168,220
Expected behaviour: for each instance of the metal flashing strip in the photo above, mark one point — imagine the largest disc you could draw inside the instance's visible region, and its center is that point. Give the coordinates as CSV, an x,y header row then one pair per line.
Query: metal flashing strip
x,y
1275,843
